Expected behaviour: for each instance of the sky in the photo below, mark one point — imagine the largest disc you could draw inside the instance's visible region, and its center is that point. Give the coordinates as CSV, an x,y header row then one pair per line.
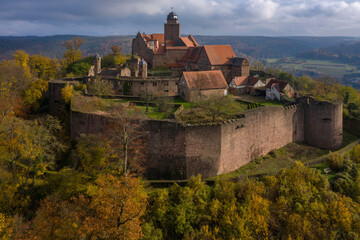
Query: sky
x,y
198,17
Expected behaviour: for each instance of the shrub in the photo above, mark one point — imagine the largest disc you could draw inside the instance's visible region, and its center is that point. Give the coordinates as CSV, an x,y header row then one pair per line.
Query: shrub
x,y
100,87
335,161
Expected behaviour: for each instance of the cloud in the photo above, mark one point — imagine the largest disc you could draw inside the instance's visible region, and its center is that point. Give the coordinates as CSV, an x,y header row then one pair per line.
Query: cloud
x,y
215,17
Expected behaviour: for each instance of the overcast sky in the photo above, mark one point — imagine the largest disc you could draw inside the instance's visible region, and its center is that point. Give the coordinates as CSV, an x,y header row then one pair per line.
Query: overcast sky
x,y
205,17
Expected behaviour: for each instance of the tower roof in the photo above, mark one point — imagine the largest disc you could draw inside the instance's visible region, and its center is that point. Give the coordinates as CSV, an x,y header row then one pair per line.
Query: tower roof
x,y
172,16
97,56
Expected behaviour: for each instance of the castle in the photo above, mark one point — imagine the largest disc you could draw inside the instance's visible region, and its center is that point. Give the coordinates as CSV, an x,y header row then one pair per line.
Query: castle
x,y
176,150
185,54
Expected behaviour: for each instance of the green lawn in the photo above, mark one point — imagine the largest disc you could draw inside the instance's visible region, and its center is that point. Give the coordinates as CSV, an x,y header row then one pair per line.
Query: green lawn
x,y
152,113
186,105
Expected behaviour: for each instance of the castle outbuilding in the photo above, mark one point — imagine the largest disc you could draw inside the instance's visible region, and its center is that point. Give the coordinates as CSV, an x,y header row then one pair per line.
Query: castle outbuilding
x,y
202,83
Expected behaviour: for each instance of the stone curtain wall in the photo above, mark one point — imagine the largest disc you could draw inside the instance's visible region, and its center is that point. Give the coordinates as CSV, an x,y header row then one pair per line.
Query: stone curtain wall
x,y
262,130
86,123
177,152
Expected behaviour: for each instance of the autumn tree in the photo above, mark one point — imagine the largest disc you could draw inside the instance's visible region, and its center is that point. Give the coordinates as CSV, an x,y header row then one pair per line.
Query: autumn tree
x,y
116,49
67,92
92,154
27,150
125,131
35,92
73,52
6,229
43,67
112,211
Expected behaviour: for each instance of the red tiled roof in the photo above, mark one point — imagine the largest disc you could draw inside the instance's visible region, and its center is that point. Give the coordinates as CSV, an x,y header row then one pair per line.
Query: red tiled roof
x,y
192,55
278,84
239,81
252,81
201,80
189,41
155,37
219,54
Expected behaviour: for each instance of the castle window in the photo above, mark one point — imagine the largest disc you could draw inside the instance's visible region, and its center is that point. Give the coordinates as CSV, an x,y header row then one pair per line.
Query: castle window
x,y
154,84
142,83
166,90
166,83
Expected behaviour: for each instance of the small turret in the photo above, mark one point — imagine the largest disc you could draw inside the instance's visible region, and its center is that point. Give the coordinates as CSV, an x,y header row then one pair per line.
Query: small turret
x,y
97,64
143,69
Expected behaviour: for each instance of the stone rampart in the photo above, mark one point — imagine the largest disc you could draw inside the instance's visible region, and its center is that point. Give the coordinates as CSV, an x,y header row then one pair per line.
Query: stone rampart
x,y
178,151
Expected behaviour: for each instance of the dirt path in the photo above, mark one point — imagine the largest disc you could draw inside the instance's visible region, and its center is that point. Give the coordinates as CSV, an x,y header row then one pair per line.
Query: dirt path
x,y
342,151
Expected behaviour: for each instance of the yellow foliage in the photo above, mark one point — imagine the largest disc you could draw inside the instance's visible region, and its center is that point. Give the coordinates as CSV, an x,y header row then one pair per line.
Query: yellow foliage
x,y
355,153
6,230
67,92
22,59
34,93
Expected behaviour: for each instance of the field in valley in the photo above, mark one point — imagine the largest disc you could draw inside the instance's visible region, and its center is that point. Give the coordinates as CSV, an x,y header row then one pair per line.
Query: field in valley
x,y
318,66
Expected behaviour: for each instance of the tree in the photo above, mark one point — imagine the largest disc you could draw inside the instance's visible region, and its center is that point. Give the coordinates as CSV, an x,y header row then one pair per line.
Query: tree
x,y
27,150
67,92
327,84
258,66
215,107
91,155
73,52
34,93
164,104
6,231
125,131
119,203
99,87
113,211
147,97
116,50
43,67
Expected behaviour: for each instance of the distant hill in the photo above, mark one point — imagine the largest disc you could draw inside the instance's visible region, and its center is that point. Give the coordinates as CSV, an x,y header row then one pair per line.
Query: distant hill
x,y
51,46
346,53
252,47
272,47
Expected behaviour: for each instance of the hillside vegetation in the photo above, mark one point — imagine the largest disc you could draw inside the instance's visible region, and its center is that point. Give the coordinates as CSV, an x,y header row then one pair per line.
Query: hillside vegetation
x,y
254,47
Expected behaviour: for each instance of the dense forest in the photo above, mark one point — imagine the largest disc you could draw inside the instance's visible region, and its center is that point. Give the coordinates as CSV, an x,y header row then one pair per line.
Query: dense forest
x,y
344,53
53,188
253,47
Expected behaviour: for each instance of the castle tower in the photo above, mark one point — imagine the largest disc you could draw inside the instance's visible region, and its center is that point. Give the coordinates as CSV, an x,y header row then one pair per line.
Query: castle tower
x,y
97,64
172,28
142,69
